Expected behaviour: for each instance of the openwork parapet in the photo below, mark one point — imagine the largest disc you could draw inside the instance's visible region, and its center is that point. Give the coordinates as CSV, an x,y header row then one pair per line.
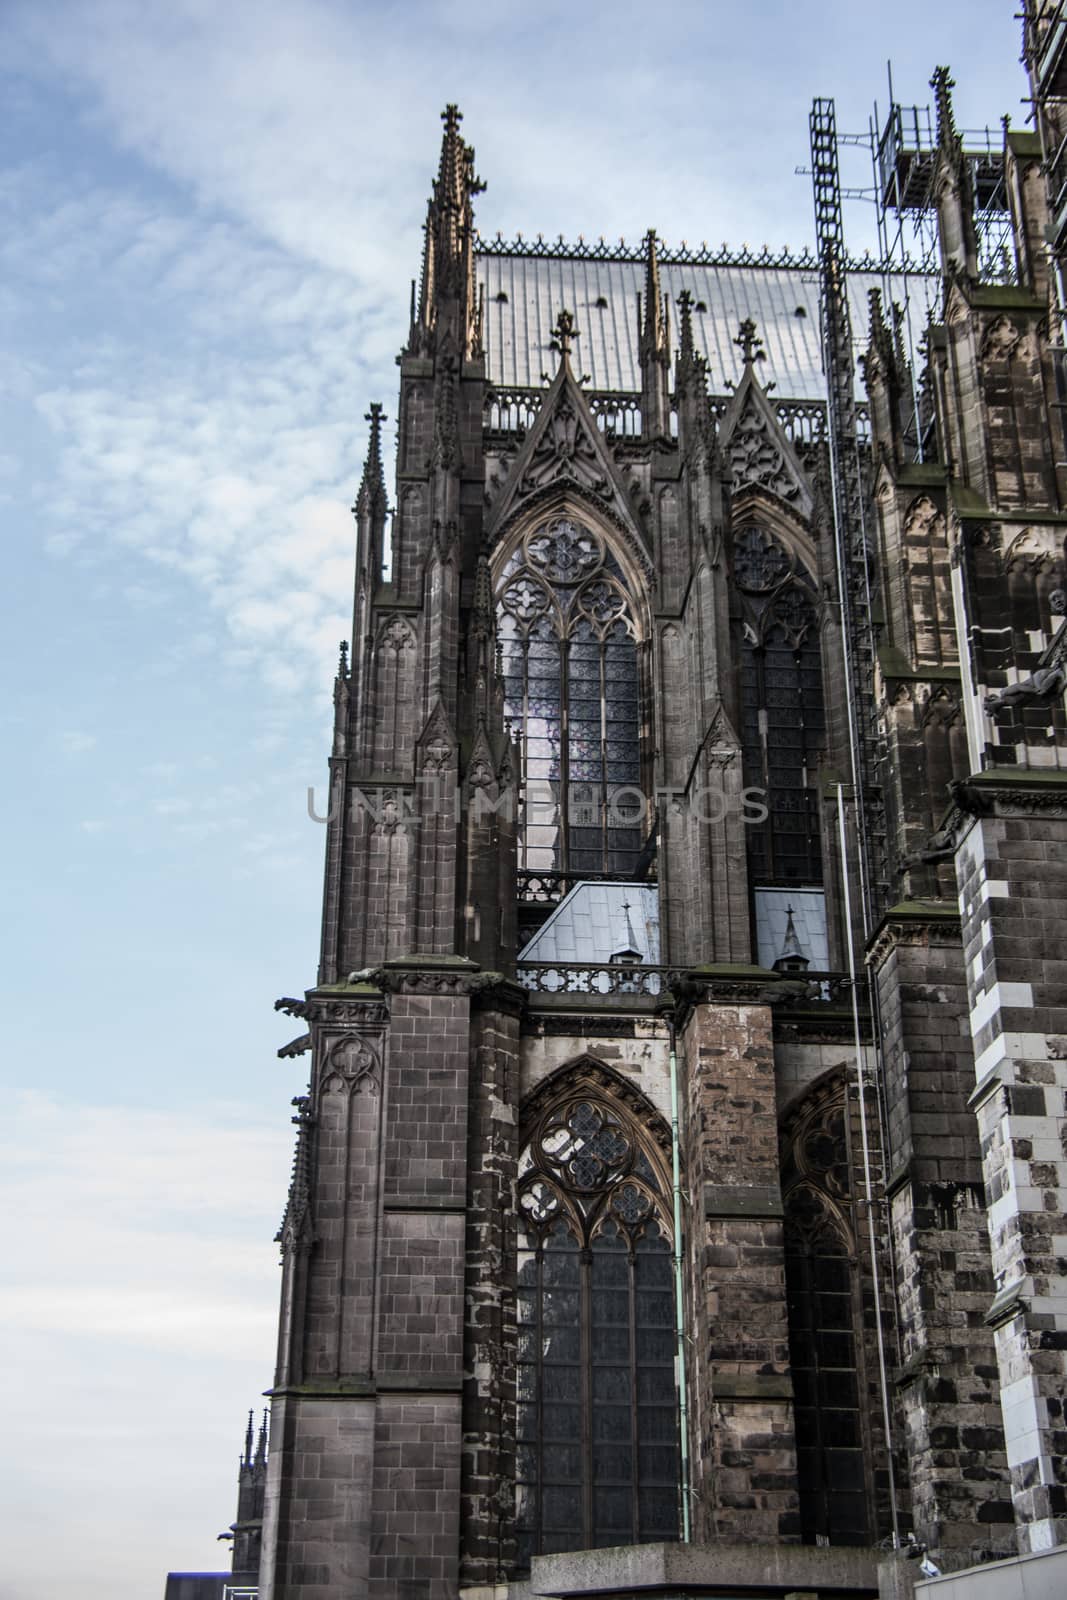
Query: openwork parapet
x,y
538,887
797,991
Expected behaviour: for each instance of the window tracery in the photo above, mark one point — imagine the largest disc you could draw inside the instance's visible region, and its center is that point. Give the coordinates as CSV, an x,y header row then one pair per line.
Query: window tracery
x,y
597,1421
571,691
782,716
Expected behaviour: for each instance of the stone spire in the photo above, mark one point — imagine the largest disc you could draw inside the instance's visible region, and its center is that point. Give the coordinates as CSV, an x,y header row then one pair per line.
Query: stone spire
x,y
654,348
882,376
792,957
955,198
695,426
688,363
447,308
372,497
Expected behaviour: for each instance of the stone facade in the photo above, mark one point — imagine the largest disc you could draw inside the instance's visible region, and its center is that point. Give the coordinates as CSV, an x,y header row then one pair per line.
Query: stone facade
x,y
527,1199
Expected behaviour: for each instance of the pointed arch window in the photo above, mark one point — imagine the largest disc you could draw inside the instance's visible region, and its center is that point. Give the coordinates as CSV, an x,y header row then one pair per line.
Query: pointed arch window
x,y
783,719
571,692
597,1413
825,1319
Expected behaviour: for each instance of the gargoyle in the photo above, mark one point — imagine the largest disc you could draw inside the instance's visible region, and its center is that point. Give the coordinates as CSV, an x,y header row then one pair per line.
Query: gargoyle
x,y
1044,685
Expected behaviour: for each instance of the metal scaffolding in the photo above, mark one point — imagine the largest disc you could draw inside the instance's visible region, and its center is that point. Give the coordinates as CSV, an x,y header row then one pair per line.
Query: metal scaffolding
x,y
848,496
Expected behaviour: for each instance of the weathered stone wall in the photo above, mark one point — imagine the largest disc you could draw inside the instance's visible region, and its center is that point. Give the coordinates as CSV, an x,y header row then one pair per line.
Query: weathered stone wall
x,y
1012,869
743,1448
947,1383
637,1047
488,1465
415,1510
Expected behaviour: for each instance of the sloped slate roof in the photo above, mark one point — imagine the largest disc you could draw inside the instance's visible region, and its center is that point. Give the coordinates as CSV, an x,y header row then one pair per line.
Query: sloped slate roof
x,y
518,328
595,921
809,925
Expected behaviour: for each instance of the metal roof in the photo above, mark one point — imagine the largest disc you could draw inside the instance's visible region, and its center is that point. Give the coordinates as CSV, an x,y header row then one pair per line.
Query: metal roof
x,y
596,921
808,907
524,294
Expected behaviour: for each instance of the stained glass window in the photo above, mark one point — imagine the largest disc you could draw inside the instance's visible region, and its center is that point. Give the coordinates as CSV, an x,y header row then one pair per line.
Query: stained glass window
x,y
568,641
782,716
824,1332
597,1424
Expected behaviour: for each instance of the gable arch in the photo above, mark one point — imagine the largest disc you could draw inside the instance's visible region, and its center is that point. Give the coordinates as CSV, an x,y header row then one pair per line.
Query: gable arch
x,y
755,506
601,1077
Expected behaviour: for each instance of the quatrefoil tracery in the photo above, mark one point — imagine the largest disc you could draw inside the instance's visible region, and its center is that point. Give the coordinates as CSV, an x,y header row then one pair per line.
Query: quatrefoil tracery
x,y
564,569
585,1164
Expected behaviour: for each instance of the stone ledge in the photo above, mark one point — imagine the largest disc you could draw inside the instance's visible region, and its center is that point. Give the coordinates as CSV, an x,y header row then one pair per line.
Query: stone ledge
x,y
367,1388
719,1569
418,1383
742,1200
751,1386
356,1388
1001,1076
1011,1301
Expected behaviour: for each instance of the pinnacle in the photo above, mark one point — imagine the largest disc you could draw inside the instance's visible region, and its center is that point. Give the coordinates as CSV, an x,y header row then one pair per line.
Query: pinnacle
x,y
654,331
455,173
372,484
878,332
685,326
942,83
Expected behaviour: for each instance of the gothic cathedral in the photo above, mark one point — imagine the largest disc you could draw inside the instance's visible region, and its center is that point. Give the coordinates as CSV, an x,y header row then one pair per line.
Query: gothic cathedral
x,y
678,1201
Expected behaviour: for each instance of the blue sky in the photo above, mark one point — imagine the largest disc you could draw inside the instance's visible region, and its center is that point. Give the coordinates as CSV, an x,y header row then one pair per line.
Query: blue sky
x,y
210,215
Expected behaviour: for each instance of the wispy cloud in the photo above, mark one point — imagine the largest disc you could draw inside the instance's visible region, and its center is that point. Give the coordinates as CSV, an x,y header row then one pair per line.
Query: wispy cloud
x,y
148,1229
143,1256
76,742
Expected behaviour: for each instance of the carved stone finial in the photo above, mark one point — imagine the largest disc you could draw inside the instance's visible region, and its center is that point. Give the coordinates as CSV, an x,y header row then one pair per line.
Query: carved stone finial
x,y
563,334
451,116
342,662
750,346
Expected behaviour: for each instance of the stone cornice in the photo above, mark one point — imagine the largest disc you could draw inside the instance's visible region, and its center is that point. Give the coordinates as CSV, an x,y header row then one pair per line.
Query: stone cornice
x,y
343,1003
914,922
1012,792
735,984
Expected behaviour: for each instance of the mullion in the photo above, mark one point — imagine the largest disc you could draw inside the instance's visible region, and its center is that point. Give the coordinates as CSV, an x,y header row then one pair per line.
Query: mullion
x,y
565,753
585,1307
635,1445
526,781
605,865
539,1324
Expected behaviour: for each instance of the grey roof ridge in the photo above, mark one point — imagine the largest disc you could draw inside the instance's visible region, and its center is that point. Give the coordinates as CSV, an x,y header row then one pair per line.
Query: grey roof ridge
x,y
722,255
